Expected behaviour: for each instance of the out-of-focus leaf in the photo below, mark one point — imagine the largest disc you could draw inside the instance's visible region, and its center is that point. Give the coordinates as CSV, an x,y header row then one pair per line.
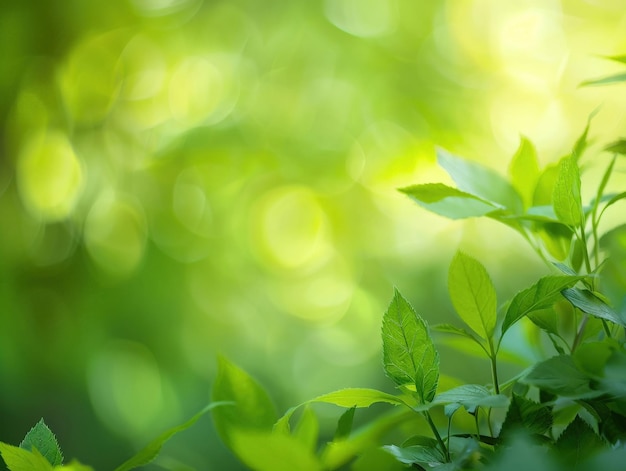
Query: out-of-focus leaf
x,y
423,455
541,295
480,181
409,355
266,451
73,465
617,147
524,170
545,186
42,438
252,408
473,294
20,459
587,302
449,202
615,78
307,429
566,197
151,451
344,424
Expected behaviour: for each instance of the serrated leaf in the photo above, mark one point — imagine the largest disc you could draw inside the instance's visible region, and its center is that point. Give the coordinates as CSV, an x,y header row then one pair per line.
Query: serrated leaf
x,y
358,397
42,438
265,451
578,442
566,197
524,414
541,295
344,425
20,459
417,454
524,170
348,397
473,294
409,355
307,429
252,408
559,375
472,396
615,78
481,181
587,302
152,450
449,202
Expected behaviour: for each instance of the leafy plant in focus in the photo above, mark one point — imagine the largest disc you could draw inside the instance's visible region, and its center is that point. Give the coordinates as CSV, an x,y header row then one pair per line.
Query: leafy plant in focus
x,y
566,411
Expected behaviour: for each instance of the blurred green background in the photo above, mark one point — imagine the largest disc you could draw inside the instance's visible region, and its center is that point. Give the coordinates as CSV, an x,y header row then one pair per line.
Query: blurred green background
x,y
181,178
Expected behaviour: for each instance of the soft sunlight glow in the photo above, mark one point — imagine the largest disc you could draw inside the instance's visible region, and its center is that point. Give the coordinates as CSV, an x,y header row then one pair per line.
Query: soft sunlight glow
x,y
50,176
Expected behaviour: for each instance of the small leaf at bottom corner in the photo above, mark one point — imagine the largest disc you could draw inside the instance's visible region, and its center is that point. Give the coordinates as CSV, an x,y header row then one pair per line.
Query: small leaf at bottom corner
x,y
42,438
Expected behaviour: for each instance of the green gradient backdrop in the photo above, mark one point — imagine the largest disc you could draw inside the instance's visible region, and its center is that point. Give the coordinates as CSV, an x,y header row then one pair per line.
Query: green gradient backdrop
x,y
185,177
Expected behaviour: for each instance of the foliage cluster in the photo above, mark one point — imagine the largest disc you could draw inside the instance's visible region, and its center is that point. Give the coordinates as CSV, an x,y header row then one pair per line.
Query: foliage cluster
x,y
567,411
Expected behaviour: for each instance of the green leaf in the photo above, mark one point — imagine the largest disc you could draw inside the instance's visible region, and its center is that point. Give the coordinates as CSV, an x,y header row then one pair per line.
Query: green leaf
x,y
578,442
358,397
409,355
566,197
541,295
559,375
587,302
252,407
266,451
307,430
615,78
524,414
448,202
42,438
617,147
545,319
377,459
349,397
545,186
472,396
20,459
480,181
151,451
344,425
524,170
581,143
416,454
451,329
473,295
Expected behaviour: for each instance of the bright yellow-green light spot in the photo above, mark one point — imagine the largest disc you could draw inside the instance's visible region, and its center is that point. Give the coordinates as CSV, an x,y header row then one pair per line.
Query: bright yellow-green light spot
x,y
200,90
115,234
362,17
49,175
89,81
290,228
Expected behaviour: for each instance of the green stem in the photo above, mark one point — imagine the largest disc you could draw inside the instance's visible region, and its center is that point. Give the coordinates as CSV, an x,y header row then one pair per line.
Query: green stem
x,y
433,427
494,369
579,334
